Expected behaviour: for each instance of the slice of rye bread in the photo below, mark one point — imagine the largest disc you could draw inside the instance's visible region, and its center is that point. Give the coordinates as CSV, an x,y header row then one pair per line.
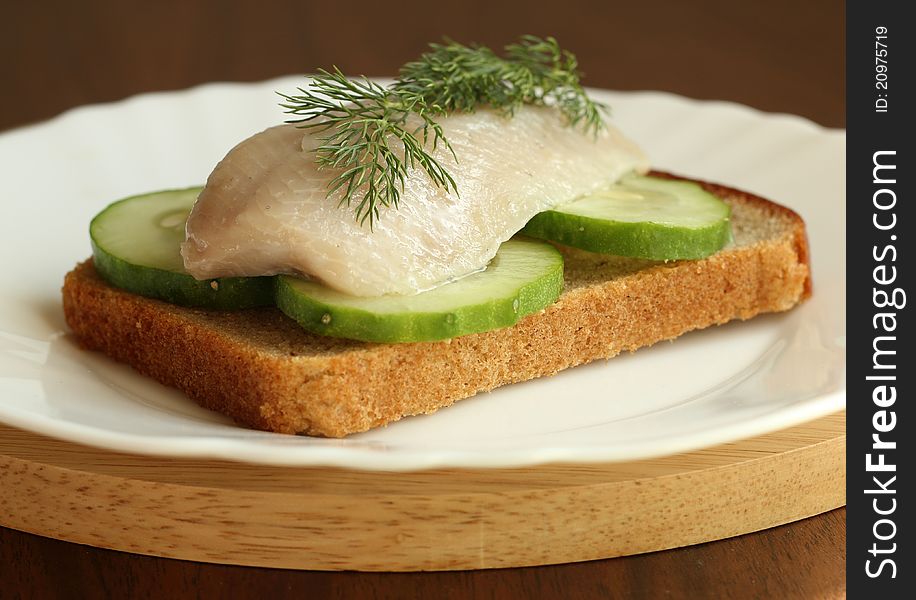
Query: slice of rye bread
x,y
261,369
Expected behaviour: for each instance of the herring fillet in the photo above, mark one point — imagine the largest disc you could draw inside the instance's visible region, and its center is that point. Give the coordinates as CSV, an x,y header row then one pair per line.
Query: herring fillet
x,y
264,209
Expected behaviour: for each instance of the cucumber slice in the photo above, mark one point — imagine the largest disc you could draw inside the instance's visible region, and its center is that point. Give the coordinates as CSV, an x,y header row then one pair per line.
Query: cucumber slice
x,y
642,217
135,246
523,278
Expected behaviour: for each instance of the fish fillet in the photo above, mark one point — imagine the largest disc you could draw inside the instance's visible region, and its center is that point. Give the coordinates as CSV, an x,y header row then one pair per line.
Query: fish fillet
x,y
264,209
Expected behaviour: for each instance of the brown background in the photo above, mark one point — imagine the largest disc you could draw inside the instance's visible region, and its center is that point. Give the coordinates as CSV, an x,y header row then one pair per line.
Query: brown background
x,y
777,55
780,55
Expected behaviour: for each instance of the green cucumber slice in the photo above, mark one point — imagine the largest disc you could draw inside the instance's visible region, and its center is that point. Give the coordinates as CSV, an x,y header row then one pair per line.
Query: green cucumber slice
x,y
135,246
524,277
642,217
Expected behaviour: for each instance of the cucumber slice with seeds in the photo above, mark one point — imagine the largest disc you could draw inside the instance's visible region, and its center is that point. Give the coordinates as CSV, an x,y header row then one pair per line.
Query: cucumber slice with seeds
x,y
135,246
524,277
642,217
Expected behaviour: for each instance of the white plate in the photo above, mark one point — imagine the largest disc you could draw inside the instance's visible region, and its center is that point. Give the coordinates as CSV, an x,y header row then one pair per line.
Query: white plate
x,y
708,387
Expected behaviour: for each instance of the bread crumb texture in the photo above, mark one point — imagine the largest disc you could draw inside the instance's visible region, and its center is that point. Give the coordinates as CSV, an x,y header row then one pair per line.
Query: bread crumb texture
x,y
261,369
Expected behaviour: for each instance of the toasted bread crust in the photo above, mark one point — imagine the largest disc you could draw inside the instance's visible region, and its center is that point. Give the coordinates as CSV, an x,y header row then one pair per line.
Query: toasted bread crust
x,y
260,368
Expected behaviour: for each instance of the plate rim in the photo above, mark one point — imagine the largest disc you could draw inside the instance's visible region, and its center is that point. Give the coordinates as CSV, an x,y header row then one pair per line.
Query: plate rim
x,y
394,458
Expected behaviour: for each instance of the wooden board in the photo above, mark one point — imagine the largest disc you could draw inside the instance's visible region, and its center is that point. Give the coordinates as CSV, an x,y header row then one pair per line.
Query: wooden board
x,y
223,512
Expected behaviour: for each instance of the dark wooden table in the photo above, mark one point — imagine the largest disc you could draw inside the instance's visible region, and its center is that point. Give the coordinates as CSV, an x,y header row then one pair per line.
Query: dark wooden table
x,y
778,56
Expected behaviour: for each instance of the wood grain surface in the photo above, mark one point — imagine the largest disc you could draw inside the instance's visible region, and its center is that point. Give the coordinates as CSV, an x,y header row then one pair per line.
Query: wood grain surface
x,y
804,560
777,56
337,519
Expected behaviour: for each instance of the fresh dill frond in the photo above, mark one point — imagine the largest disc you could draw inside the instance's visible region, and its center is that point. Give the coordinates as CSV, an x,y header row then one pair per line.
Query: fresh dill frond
x,y
461,78
376,135
364,134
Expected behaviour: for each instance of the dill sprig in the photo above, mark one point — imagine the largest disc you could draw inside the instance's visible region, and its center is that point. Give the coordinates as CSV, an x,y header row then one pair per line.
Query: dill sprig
x,y
459,78
364,134
375,135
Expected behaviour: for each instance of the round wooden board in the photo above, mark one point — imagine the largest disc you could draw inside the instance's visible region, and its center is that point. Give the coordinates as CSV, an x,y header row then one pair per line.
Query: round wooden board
x,y
331,519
